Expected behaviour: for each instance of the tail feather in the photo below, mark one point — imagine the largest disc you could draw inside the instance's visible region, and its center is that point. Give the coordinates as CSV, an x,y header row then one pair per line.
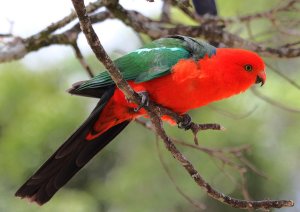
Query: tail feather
x,y
69,158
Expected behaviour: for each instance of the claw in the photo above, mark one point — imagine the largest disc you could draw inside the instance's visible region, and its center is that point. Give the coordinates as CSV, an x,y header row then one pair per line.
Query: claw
x,y
185,123
144,101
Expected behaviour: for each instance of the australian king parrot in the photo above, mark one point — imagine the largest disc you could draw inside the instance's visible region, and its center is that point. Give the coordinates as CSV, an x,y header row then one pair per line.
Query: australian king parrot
x,y
177,72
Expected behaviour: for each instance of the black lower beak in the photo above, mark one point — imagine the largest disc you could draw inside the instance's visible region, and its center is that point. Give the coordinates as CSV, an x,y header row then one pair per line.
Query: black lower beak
x,y
260,80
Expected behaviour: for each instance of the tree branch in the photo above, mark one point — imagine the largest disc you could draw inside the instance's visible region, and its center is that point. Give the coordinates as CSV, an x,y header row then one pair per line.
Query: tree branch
x,y
236,203
14,48
154,112
208,31
211,28
92,7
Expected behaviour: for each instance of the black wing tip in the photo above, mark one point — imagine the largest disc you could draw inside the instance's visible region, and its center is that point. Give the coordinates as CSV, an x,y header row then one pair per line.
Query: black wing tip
x,y
74,88
32,193
79,90
31,199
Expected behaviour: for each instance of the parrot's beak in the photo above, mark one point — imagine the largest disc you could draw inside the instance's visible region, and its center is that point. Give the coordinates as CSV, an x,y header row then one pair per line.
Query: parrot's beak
x,y
261,78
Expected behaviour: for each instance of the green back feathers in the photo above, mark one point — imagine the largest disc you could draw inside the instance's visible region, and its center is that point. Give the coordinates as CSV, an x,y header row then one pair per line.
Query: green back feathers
x,y
148,63
152,60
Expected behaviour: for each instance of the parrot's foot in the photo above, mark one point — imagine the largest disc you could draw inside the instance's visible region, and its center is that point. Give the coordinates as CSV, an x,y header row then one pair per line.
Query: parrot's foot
x,y
185,122
144,102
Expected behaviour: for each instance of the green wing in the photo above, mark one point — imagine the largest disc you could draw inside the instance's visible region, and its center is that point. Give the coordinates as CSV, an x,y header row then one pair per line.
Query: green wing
x,y
152,61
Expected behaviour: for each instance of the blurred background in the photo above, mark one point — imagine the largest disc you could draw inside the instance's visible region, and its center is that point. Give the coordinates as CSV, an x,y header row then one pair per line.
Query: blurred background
x,y
37,115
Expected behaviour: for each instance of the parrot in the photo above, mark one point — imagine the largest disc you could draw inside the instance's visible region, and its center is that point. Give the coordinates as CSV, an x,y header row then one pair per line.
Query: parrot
x,y
178,72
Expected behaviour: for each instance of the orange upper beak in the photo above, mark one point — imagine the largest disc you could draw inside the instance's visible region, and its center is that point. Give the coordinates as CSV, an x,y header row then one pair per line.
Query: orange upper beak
x,y
261,78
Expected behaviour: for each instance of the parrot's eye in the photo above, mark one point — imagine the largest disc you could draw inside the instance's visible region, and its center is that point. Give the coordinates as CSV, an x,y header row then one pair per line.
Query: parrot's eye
x,y
248,67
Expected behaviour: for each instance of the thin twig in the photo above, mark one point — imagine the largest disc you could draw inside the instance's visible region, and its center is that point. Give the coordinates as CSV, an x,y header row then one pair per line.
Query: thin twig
x,y
66,20
273,102
196,128
167,170
82,61
268,14
165,14
232,115
252,167
292,82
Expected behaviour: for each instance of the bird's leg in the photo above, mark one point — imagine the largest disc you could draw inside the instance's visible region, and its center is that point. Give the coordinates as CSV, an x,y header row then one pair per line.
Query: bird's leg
x,y
144,102
185,122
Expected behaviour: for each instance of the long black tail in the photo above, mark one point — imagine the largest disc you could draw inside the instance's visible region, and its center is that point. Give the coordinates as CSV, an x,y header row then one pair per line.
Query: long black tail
x,y
69,158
